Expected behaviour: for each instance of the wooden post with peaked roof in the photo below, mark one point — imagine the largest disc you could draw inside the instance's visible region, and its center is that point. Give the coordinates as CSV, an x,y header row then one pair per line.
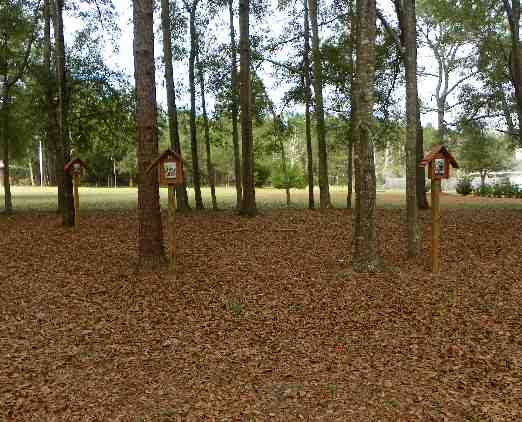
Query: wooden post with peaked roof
x,y
75,168
438,161
170,171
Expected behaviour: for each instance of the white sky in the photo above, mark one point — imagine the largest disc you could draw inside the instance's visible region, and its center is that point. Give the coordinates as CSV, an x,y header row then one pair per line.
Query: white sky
x,y
123,59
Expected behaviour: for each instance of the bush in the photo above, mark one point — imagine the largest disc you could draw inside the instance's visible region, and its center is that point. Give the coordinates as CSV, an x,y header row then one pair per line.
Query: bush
x,y
464,186
261,175
296,178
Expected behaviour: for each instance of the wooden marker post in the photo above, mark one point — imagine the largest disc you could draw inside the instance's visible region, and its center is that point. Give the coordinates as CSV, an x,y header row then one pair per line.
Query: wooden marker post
x,y
172,228
438,161
75,168
170,172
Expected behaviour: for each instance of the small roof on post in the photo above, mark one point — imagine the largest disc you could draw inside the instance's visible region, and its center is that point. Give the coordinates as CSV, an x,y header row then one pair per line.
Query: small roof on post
x,y
435,152
167,155
71,163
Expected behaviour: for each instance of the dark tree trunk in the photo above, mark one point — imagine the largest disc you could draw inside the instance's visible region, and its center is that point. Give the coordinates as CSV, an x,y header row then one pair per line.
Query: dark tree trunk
x,y
52,139
172,111
513,14
63,129
365,249
422,200
248,202
308,102
210,166
196,177
150,233
8,201
407,22
235,106
353,40
324,188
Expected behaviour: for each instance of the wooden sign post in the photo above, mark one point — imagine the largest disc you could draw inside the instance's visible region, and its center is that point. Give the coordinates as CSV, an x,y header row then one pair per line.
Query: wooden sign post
x,y
170,171
75,168
438,161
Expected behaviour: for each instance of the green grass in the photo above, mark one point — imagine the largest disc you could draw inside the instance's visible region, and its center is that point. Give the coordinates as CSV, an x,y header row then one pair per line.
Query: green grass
x,y
27,198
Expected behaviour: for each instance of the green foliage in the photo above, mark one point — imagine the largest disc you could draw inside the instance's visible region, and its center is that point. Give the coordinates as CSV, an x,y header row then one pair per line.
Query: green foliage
x,y
296,178
464,186
261,174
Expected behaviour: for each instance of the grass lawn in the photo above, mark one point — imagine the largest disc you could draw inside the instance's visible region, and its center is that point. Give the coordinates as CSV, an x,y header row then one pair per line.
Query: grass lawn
x,y
265,320
35,198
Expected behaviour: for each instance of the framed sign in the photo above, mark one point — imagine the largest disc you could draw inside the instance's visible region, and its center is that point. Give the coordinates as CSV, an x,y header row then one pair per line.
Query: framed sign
x,y
439,167
170,168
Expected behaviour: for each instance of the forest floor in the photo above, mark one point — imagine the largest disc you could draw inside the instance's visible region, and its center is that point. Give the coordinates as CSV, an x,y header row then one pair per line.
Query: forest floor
x,y
264,321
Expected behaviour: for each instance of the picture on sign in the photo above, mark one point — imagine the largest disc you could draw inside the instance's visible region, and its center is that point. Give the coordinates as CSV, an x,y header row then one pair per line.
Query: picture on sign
x,y
77,168
170,170
438,167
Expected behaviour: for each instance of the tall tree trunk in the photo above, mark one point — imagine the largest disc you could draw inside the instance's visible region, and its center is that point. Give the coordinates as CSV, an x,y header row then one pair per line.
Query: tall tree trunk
x,y
172,111
308,102
52,141
248,202
235,105
422,200
324,188
150,233
408,27
210,166
196,177
513,14
285,173
353,40
63,130
365,249
8,201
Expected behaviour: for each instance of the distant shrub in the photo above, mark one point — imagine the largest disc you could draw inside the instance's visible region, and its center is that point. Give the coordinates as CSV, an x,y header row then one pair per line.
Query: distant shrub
x,y
296,178
464,186
261,174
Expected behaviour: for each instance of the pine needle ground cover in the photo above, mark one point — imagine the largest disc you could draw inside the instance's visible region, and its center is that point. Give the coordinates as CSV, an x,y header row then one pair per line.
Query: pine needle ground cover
x,y
265,321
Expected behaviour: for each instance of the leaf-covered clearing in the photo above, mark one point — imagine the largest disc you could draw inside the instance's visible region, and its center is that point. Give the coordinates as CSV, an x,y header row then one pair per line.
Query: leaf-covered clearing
x,y
265,321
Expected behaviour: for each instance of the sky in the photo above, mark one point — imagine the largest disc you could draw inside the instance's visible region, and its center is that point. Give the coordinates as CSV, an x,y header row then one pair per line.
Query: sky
x,y
122,60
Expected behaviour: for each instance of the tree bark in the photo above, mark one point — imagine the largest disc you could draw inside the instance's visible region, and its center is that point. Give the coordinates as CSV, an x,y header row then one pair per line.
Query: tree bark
x,y
8,201
63,129
235,106
172,111
248,201
52,141
422,200
210,166
308,102
196,177
150,233
324,196
408,27
365,249
513,15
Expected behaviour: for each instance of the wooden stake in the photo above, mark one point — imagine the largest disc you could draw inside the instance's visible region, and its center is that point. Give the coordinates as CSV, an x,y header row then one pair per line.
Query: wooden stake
x,y
76,184
435,225
172,229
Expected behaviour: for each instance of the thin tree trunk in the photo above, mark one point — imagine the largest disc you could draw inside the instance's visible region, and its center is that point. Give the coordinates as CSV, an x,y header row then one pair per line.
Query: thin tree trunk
x,y
31,172
196,177
513,14
172,111
365,249
248,202
353,40
52,140
422,200
285,173
150,233
210,166
63,130
324,188
409,29
8,201
308,102
235,106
